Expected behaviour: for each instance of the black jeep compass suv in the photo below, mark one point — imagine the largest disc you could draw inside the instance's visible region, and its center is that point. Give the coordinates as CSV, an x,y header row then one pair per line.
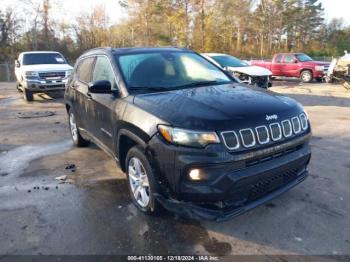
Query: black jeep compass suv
x,y
189,137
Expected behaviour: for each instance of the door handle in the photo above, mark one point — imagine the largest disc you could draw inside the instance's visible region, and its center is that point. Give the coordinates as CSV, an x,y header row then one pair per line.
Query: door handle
x,y
89,96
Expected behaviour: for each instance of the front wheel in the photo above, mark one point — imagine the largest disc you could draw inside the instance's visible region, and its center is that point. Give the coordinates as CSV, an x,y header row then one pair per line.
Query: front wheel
x,y
78,140
306,76
18,87
27,95
141,181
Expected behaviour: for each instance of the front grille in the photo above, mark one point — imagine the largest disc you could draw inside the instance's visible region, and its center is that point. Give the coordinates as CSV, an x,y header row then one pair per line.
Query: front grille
x,y
260,81
261,135
248,189
45,75
270,184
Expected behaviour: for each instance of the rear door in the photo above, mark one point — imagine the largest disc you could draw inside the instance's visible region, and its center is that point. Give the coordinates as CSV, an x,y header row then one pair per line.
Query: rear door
x,y
290,65
103,104
79,85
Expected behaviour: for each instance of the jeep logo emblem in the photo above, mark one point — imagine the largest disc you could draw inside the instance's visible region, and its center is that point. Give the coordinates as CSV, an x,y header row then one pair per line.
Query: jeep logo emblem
x,y
271,117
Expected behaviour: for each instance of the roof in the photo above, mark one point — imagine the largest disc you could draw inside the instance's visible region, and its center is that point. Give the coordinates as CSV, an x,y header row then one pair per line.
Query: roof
x,y
214,54
40,52
131,50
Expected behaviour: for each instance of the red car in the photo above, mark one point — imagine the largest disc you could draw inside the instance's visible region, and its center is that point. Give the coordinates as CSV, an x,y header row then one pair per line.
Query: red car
x,y
295,65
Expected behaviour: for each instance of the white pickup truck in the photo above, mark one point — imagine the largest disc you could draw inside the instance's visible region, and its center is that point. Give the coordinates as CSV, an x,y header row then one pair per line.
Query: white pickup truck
x,y
41,71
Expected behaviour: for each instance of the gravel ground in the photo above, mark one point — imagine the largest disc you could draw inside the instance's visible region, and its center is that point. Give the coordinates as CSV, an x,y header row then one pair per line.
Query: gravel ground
x,y
91,213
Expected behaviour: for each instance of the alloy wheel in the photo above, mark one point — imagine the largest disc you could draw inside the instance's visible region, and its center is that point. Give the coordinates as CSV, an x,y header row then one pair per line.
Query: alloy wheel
x,y
139,183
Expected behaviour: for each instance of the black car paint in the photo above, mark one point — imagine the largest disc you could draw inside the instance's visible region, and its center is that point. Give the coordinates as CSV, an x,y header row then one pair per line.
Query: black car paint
x,y
111,119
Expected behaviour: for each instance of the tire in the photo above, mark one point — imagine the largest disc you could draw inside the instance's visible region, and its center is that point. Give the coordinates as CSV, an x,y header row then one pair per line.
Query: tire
x,y
319,79
306,76
149,186
27,95
18,87
78,140
329,79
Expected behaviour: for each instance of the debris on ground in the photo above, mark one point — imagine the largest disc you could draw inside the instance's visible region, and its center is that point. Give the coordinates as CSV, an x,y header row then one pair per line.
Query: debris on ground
x,y
35,114
61,178
64,180
71,167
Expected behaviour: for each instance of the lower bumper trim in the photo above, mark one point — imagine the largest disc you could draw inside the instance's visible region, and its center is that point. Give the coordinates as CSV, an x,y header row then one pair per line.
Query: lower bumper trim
x,y
196,212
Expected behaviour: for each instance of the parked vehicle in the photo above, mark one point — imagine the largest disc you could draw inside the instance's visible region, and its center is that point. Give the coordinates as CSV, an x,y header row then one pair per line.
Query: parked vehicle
x,y
42,71
188,136
295,65
339,70
251,75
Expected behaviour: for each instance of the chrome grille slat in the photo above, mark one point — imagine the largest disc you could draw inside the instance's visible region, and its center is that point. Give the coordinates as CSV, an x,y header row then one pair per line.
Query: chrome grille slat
x,y
246,133
275,136
55,74
265,134
303,121
263,131
296,125
287,128
230,144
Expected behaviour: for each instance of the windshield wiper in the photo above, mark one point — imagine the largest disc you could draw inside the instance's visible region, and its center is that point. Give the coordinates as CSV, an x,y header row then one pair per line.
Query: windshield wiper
x,y
198,83
150,88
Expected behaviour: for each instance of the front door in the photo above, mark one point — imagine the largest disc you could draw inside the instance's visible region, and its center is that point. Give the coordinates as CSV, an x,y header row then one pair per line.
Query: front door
x,y
290,66
103,104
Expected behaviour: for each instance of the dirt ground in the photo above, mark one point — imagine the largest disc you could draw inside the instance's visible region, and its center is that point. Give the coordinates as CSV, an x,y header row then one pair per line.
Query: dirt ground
x,y
91,213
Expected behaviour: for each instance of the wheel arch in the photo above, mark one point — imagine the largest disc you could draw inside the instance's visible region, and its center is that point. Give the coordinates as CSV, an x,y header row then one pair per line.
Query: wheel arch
x,y
306,69
127,138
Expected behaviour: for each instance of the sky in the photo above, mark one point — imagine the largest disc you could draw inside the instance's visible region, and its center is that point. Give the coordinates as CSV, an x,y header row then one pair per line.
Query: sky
x,y
68,9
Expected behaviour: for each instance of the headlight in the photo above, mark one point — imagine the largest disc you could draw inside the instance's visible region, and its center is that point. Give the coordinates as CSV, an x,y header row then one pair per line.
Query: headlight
x,y
69,72
319,68
185,137
32,74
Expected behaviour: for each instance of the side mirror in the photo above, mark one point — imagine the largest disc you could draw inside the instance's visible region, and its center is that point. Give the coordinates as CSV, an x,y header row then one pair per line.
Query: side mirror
x,y
100,87
17,63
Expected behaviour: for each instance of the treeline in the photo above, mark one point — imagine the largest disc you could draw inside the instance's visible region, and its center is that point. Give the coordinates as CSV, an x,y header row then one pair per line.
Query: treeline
x,y
245,28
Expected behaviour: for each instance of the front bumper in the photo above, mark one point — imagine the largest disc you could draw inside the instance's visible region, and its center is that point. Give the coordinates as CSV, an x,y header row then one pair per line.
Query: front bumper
x,y
197,212
44,85
319,74
231,184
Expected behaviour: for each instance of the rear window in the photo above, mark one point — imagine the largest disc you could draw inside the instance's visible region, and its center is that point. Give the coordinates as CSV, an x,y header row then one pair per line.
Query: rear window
x,y
229,61
84,69
43,58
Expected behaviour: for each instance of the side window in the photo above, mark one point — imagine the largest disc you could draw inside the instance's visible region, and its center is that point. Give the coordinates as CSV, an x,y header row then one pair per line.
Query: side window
x,y
103,71
84,69
278,58
289,59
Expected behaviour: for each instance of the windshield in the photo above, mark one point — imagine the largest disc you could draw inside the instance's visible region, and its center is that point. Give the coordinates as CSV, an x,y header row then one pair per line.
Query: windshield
x,y
229,61
168,70
43,58
303,57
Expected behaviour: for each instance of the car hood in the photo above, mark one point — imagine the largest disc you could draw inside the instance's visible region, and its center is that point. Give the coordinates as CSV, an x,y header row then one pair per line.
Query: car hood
x,y
219,108
251,70
316,63
46,68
